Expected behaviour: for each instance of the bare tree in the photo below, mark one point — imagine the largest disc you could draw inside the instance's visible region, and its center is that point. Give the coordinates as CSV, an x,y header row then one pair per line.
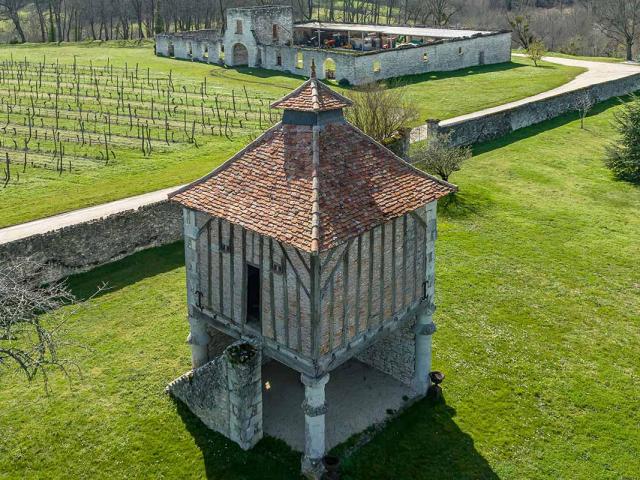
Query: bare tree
x,y
441,11
584,104
380,111
29,340
620,21
438,157
11,10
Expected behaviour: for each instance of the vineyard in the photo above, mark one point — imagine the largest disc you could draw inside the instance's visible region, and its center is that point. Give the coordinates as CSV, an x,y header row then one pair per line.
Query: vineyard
x,y
66,117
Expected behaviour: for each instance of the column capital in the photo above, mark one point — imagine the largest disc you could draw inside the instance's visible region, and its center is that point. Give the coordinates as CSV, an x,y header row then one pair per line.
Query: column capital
x,y
314,381
425,329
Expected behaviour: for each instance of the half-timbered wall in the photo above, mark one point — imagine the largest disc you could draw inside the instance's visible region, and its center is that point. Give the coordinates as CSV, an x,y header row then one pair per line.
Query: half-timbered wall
x,y
223,251
372,280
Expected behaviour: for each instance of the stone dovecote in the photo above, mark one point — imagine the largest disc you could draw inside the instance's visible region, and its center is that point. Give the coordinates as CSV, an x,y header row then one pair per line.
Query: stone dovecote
x,y
317,243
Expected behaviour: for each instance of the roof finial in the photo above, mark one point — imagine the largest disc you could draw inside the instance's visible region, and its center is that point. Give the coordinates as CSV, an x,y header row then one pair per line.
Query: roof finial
x,y
313,68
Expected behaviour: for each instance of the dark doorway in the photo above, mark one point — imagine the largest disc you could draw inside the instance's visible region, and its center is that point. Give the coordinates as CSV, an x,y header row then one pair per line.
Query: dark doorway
x,y
253,295
481,58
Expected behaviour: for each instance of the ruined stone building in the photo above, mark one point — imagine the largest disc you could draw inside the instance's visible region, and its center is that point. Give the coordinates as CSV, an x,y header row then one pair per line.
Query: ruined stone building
x,y
267,37
313,250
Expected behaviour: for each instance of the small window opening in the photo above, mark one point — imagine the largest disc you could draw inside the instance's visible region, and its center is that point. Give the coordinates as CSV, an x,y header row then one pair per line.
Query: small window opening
x,y
459,50
205,52
275,31
277,268
299,60
253,295
279,60
238,26
425,57
376,67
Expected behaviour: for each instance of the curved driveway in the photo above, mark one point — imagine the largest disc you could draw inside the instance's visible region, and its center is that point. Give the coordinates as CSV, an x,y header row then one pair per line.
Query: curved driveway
x,y
597,72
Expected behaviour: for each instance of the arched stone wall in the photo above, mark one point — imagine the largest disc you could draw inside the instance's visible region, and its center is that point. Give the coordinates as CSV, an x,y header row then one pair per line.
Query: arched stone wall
x,y
240,55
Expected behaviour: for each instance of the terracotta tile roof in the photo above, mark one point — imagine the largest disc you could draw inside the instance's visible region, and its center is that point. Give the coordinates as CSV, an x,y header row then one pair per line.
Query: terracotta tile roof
x,y
312,96
312,187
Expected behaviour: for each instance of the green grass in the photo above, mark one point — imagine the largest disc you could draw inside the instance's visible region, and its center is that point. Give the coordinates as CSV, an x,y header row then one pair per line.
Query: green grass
x,y
579,57
43,193
538,301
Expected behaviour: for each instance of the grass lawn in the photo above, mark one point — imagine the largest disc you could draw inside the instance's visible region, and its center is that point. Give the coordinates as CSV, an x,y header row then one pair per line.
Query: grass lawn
x,y
538,321
39,193
579,57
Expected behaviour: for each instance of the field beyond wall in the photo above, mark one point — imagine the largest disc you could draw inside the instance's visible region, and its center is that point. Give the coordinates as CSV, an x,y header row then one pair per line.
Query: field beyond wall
x,y
45,182
538,297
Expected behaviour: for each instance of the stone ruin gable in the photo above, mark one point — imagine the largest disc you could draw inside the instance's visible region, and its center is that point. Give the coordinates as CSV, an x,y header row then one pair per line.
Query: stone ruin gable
x,y
226,393
220,277
257,30
371,283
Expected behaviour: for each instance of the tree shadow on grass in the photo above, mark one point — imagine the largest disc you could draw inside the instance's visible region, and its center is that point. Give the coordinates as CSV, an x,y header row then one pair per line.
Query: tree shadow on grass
x,y
542,127
422,443
128,271
462,204
269,459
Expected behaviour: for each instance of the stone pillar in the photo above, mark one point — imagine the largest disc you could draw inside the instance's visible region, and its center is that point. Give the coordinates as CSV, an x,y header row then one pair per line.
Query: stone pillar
x,y
424,329
424,324
198,337
244,370
314,408
199,340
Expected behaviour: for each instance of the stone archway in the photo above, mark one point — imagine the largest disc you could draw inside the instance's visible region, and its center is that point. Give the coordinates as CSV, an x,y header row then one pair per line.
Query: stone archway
x,y
240,55
329,67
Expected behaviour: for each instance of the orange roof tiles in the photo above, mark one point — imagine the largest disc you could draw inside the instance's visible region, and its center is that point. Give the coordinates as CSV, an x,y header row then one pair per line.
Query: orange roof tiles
x,y
312,96
275,188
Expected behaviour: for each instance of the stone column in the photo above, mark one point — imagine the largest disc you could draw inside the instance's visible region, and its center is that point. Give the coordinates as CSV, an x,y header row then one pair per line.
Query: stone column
x,y
424,324
199,340
198,337
314,408
423,330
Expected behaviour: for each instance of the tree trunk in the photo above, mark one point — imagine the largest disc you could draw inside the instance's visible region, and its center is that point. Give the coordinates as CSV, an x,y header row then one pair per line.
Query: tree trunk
x,y
15,17
629,49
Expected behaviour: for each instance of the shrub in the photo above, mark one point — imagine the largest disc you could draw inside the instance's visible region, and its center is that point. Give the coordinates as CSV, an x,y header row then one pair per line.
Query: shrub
x,y
535,51
438,157
344,82
623,156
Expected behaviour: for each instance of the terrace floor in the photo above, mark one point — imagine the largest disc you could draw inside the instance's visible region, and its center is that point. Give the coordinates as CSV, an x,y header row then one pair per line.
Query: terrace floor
x,y
357,396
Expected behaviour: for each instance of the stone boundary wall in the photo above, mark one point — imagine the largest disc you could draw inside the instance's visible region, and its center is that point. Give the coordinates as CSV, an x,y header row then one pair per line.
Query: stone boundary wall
x,y
226,393
496,125
84,246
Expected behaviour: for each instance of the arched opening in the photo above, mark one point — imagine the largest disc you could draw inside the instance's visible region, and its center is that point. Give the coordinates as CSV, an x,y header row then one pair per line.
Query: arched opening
x,y
240,55
171,50
329,66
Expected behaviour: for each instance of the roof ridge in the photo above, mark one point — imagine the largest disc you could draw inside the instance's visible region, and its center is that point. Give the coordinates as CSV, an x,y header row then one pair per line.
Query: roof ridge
x,y
403,161
315,189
